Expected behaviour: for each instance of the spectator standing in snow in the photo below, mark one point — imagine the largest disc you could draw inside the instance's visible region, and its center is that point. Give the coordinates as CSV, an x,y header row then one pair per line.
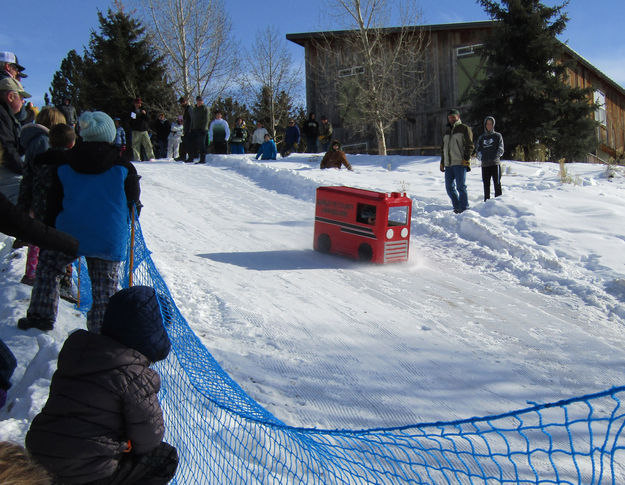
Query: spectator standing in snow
x,y
455,159
12,96
186,128
174,138
239,137
219,133
291,139
489,151
90,200
102,422
325,133
258,137
162,127
335,158
36,179
268,150
139,126
199,128
311,131
69,111
120,136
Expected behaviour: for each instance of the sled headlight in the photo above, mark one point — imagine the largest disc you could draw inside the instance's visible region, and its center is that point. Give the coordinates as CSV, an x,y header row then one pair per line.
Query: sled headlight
x,y
389,234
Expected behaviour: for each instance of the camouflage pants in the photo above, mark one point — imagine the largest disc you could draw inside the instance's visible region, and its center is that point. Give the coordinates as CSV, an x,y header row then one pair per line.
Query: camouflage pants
x,y
44,299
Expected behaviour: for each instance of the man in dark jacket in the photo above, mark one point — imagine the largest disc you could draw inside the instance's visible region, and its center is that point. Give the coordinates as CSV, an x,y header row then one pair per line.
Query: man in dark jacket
x,y
311,130
489,151
199,130
69,111
139,126
291,139
455,159
91,198
12,96
102,423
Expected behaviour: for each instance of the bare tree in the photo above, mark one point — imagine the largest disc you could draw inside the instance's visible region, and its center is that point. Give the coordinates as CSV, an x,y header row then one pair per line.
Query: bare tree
x,y
270,67
379,72
195,39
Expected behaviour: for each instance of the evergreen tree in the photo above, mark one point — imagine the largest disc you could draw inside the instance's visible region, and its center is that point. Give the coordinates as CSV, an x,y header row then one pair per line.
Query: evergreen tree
x,y
279,111
69,80
122,64
119,65
231,110
525,87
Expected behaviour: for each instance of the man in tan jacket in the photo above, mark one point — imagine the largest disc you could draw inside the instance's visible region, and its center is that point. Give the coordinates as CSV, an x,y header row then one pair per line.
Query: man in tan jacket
x,y
456,152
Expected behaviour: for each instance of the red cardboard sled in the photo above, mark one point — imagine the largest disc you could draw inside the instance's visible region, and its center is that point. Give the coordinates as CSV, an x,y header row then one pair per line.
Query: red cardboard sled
x,y
363,224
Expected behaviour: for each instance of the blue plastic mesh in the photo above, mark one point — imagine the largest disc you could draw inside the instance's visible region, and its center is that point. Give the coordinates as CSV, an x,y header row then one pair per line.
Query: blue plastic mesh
x,y
224,437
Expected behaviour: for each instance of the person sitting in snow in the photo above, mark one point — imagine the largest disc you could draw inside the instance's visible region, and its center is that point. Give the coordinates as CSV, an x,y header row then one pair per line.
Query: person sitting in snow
x,y
91,198
335,157
267,150
102,423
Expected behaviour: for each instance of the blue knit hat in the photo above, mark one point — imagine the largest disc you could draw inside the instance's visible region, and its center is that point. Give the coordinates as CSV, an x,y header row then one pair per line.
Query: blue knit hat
x,y
133,318
97,126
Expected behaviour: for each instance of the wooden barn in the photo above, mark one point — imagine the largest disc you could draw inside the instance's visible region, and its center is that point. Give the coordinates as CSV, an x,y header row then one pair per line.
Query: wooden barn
x,y
452,64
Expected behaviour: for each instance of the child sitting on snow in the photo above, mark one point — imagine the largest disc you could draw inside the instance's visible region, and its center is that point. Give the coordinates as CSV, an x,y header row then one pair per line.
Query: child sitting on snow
x,y
268,150
102,422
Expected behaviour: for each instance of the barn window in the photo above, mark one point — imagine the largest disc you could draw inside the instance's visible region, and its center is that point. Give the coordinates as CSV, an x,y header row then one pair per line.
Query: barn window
x,y
351,71
600,113
469,69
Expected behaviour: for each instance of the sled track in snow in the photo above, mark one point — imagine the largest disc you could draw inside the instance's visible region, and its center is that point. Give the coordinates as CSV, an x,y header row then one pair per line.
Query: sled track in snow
x,y
224,436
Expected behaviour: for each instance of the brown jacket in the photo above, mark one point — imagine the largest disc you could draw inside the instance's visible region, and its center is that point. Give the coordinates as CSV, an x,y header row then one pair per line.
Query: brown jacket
x,y
335,159
102,395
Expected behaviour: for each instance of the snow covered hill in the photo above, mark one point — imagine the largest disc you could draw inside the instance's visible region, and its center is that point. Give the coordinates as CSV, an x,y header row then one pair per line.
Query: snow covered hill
x,y
521,298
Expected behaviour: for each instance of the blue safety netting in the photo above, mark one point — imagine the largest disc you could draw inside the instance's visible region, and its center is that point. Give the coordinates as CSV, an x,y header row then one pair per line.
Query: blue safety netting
x,y
224,437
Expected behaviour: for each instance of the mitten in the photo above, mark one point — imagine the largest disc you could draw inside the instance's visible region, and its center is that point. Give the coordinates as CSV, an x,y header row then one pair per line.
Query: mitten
x,y
442,166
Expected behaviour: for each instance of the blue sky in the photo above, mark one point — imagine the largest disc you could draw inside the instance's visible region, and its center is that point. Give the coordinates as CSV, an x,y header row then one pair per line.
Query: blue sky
x,y
41,32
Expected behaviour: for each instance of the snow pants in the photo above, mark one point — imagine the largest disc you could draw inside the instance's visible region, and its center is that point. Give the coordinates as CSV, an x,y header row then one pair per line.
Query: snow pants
x,y
44,299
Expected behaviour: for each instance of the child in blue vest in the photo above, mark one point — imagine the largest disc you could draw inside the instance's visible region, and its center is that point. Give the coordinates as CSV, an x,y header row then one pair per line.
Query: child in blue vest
x,y
267,150
92,195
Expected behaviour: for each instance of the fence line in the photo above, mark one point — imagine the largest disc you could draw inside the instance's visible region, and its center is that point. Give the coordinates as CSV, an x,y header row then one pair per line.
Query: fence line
x,y
224,437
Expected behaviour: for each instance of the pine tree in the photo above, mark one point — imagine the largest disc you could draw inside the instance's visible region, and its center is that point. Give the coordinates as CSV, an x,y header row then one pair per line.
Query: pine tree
x,y
274,115
121,64
69,80
231,110
525,86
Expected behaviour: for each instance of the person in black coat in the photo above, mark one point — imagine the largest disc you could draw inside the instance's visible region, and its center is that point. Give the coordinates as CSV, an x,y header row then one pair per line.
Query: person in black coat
x,y
102,423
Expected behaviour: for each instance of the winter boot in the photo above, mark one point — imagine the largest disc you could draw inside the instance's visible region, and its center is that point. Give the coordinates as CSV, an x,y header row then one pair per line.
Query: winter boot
x,y
43,324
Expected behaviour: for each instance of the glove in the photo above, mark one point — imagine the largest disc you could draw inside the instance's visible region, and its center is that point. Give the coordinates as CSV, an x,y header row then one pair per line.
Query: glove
x,y
466,163
442,166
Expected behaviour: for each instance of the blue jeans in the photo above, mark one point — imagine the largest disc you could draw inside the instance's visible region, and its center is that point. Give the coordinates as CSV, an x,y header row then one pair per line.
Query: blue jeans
x,y
455,183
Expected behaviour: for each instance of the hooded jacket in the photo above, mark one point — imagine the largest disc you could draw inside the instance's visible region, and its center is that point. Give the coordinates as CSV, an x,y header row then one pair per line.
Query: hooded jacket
x,y
90,198
34,140
335,158
490,146
102,395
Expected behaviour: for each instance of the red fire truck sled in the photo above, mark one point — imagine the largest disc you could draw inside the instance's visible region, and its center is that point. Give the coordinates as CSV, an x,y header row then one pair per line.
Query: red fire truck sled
x,y
363,224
